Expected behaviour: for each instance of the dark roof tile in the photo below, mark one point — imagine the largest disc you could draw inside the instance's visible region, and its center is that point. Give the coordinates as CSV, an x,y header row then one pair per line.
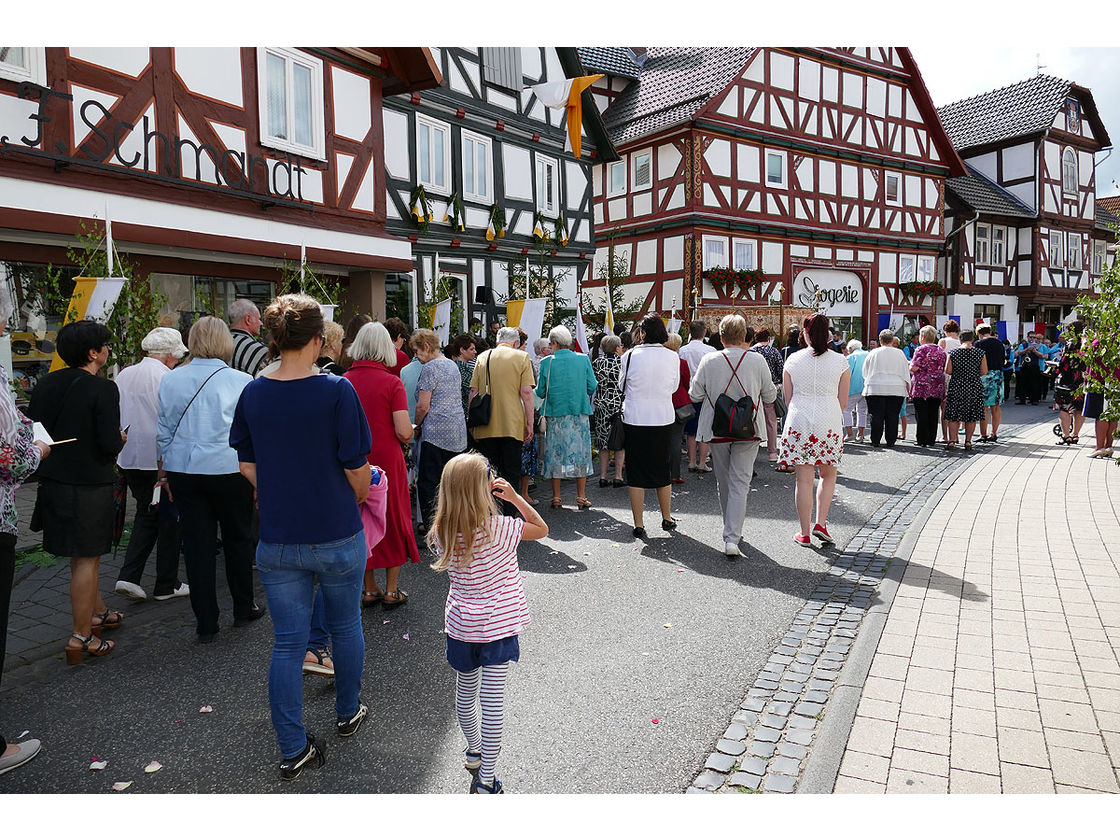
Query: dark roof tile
x,y
618,61
981,194
1017,110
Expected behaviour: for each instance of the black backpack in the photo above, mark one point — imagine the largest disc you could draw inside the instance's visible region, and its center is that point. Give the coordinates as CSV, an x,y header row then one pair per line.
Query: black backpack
x,y
734,418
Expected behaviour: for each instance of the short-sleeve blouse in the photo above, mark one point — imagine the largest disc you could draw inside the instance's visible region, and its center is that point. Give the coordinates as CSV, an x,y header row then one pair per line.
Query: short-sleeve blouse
x,y
487,598
928,380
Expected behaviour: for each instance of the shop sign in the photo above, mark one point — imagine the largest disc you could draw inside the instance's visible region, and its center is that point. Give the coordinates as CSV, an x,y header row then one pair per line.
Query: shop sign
x,y
278,180
840,293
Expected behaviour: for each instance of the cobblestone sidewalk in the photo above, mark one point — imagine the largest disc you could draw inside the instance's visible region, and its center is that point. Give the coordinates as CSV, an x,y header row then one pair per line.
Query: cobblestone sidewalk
x,y
997,669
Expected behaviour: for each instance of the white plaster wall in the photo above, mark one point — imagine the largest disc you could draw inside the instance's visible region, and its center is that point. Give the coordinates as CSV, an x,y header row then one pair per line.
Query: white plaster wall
x,y
718,157
575,184
781,70
15,119
673,254
668,159
772,257
518,171
646,257
396,143
1018,161
352,105
133,60
808,79
748,162
81,96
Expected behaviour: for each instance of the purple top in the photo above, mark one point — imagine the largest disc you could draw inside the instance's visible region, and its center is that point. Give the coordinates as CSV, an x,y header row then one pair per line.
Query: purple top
x,y
927,373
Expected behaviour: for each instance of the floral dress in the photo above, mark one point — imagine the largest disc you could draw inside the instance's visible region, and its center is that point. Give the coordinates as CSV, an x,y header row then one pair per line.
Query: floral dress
x,y
17,461
608,399
814,427
927,381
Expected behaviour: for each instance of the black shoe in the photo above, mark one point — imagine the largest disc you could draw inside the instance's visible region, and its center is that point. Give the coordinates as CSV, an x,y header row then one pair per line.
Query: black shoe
x,y
313,755
668,525
618,482
479,787
255,613
640,533
206,638
604,482
348,726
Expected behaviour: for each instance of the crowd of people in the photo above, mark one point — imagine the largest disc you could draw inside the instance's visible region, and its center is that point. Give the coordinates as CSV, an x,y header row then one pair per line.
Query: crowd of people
x,y
323,501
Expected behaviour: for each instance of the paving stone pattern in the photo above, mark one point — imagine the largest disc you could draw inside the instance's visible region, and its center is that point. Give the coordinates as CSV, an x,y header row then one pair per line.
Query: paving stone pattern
x,y
770,736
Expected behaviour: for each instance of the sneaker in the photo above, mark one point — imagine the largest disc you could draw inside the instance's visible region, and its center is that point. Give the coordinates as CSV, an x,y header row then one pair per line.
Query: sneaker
x,y
313,755
803,539
348,726
479,787
130,590
27,751
181,591
732,551
821,533
472,760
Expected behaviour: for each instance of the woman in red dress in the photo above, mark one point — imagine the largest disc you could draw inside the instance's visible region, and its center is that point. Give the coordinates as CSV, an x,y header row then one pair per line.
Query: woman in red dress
x,y
386,406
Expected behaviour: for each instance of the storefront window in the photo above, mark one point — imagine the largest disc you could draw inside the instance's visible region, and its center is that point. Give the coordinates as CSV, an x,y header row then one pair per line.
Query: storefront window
x,y
36,317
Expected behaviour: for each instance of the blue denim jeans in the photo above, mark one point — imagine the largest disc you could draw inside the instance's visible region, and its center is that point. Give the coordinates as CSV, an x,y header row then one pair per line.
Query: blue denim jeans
x,y
288,573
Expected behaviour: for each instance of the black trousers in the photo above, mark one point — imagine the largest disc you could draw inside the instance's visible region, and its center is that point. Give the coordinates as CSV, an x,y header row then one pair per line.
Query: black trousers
x,y
7,575
1007,384
927,415
428,473
205,502
1028,383
504,455
154,527
884,417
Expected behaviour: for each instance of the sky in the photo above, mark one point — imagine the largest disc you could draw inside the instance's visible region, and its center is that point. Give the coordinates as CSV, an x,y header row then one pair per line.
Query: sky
x,y
949,79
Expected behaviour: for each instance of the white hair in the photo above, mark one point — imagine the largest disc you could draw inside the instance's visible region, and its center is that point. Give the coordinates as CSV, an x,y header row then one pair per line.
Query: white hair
x,y
561,336
373,344
241,309
164,341
509,335
854,345
540,345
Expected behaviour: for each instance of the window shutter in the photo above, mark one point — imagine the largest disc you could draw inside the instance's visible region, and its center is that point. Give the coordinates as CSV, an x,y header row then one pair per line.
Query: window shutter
x,y
502,67
641,175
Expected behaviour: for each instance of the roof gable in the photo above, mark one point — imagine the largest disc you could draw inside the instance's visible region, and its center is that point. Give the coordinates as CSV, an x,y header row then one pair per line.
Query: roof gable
x,y
1023,109
977,192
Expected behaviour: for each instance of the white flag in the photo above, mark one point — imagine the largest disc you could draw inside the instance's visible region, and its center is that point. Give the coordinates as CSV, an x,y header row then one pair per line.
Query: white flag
x,y
532,320
441,321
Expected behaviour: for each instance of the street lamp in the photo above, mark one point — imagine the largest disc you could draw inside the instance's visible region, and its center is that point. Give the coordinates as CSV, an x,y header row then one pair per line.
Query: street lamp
x,y
780,289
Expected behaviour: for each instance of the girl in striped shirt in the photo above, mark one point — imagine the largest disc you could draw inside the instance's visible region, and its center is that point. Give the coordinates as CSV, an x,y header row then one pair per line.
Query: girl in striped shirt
x,y
486,606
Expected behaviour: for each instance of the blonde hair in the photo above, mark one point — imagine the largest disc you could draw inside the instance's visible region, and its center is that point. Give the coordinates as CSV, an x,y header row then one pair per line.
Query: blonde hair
x,y
333,334
464,507
928,333
674,342
210,338
424,338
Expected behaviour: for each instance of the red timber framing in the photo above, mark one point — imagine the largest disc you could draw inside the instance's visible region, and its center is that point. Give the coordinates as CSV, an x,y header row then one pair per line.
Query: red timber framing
x,y
831,209
184,159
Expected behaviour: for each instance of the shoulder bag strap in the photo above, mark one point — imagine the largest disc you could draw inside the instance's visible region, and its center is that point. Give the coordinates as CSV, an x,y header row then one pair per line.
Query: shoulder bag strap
x,y
547,382
734,374
488,356
196,393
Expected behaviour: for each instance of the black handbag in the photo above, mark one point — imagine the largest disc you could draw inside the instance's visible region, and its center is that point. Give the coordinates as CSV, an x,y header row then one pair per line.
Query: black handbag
x,y
478,412
734,418
616,440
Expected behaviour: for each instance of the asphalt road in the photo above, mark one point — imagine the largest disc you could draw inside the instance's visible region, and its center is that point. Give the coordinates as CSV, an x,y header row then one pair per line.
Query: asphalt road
x,y
623,632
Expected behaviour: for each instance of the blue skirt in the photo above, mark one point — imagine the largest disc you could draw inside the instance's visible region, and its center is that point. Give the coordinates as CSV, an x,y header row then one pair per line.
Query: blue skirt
x,y
469,656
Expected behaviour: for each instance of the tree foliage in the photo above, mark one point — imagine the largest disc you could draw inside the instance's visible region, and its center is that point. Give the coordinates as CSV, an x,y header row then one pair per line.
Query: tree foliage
x,y
614,274
1100,349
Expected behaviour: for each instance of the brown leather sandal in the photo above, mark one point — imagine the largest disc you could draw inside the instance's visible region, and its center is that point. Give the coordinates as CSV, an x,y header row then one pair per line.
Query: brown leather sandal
x,y
399,597
582,503
74,655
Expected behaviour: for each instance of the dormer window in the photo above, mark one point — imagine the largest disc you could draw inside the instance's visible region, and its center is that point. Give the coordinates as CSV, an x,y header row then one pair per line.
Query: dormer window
x,y
1069,172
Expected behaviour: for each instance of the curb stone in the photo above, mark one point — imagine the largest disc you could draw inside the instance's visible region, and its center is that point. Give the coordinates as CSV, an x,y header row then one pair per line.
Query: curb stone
x,y
805,697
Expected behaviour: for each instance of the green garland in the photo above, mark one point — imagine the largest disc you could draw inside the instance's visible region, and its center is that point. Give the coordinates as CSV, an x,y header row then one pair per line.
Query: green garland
x,y
420,206
540,225
918,288
455,214
560,232
497,224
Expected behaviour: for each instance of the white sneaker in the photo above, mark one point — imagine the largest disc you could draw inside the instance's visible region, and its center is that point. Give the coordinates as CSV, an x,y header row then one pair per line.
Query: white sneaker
x,y
732,550
130,590
178,593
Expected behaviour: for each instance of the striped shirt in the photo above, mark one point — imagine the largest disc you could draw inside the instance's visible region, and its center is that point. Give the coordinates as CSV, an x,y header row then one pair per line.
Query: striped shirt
x,y
487,598
249,353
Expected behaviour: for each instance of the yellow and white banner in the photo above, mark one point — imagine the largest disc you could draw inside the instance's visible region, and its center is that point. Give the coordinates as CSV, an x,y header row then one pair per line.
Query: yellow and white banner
x,y
93,298
566,94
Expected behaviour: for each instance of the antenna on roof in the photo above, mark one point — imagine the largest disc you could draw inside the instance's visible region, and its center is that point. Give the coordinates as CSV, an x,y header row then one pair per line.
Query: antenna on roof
x,y
1039,66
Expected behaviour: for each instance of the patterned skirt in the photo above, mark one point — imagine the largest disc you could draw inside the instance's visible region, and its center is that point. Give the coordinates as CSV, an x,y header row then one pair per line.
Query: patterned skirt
x,y
567,447
530,457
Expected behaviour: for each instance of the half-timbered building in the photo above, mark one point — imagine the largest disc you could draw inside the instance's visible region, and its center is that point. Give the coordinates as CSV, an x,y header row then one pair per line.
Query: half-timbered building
x,y
1026,234
490,156
819,171
215,166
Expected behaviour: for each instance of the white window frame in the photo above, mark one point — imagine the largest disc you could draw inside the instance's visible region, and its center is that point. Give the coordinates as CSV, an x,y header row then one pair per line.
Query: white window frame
x,y
1057,241
999,259
1099,251
431,183
783,184
897,177
912,261
317,149
751,263
983,238
1073,251
708,263
487,196
926,270
35,71
542,162
612,167
1067,188
634,183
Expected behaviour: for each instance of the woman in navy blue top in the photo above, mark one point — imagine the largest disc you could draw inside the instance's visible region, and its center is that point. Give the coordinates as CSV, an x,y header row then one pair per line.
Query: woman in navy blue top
x,y
302,439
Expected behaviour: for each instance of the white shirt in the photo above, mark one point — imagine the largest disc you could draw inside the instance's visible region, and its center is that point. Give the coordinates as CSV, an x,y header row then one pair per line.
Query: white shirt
x,y
949,344
693,352
139,387
886,373
649,376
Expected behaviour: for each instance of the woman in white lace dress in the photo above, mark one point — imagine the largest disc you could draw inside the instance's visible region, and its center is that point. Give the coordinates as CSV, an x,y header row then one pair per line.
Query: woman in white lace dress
x,y
815,386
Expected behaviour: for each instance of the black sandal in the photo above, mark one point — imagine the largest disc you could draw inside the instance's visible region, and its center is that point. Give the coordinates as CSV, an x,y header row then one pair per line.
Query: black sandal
x,y
107,624
74,655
